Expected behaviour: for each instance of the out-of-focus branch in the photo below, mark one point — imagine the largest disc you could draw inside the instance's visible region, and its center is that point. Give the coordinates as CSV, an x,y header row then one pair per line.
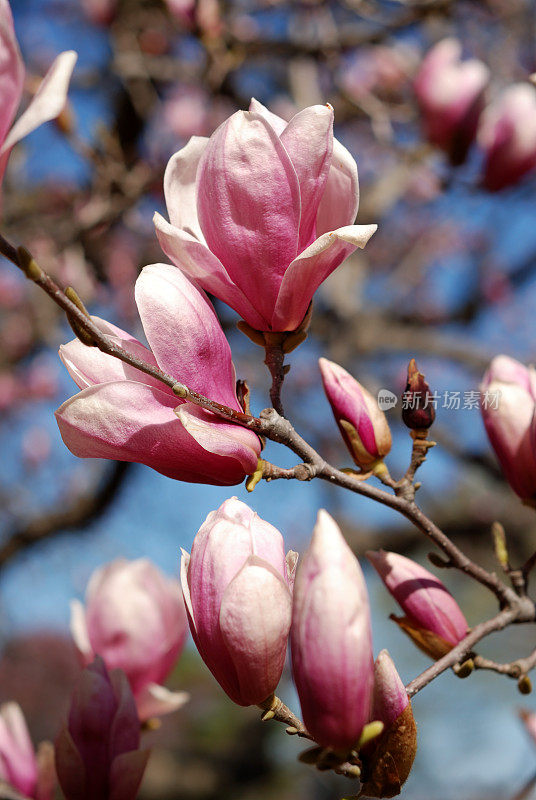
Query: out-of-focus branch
x,y
82,510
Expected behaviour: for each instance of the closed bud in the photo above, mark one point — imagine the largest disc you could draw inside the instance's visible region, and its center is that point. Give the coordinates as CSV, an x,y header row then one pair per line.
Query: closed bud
x,y
434,620
388,760
237,589
362,424
97,756
418,409
507,403
20,768
331,639
507,135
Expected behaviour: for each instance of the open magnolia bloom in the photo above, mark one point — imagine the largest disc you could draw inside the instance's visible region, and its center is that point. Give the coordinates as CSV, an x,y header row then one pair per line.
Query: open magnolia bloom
x,y
49,99
127,415
262,212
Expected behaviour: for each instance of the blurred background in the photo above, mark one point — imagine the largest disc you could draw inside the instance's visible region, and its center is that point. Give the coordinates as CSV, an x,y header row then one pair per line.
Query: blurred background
x,y
449,278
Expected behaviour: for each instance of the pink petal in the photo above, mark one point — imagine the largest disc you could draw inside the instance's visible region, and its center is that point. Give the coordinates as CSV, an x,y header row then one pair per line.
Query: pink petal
x,y
195,260
308,139
256,640
89,365
249,205
130,421
278,123
220,438
49,100
11,70
184,333
79,632
305,274
340,200
180,186
156,700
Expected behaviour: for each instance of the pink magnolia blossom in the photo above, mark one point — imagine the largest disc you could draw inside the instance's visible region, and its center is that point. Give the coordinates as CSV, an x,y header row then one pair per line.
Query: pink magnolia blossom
x,y
331,639
49,99
508,397
362,424
100,12
507,135
237,588
20,768
450,93
124,414
433,618
387,760
134,618
97,755
262,212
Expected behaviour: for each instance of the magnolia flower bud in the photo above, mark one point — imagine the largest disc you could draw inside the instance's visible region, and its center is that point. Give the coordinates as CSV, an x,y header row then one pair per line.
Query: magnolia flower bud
x,y
237,590
507,135
450,93
387,761
508,396
331,639
362,424
134,618
97,756
418,410
20,768
434,620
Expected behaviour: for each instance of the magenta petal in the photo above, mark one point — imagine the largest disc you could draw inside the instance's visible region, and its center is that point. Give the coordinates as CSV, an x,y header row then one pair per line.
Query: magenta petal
x,y
340,200
11,70
180,188
129,421
305,274
249,205
184,333
195,260
48,101
308,139
89,365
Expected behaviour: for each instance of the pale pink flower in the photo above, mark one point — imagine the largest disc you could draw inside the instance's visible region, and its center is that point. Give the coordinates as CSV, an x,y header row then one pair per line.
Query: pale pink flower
x,y
508,403
433,620
390,698
134,618
361,422
49,99
97,755
450,93
262,212
331,639
20,768
237,588
507,135
127,415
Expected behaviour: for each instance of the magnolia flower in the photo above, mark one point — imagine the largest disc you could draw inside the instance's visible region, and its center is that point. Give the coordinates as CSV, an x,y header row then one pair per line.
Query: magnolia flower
x,y
388,759
49,99
134,618
507,135
434,620
20,768
508,397
237,590
127,415
97,755
331,639
262,212
450,93
362,424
